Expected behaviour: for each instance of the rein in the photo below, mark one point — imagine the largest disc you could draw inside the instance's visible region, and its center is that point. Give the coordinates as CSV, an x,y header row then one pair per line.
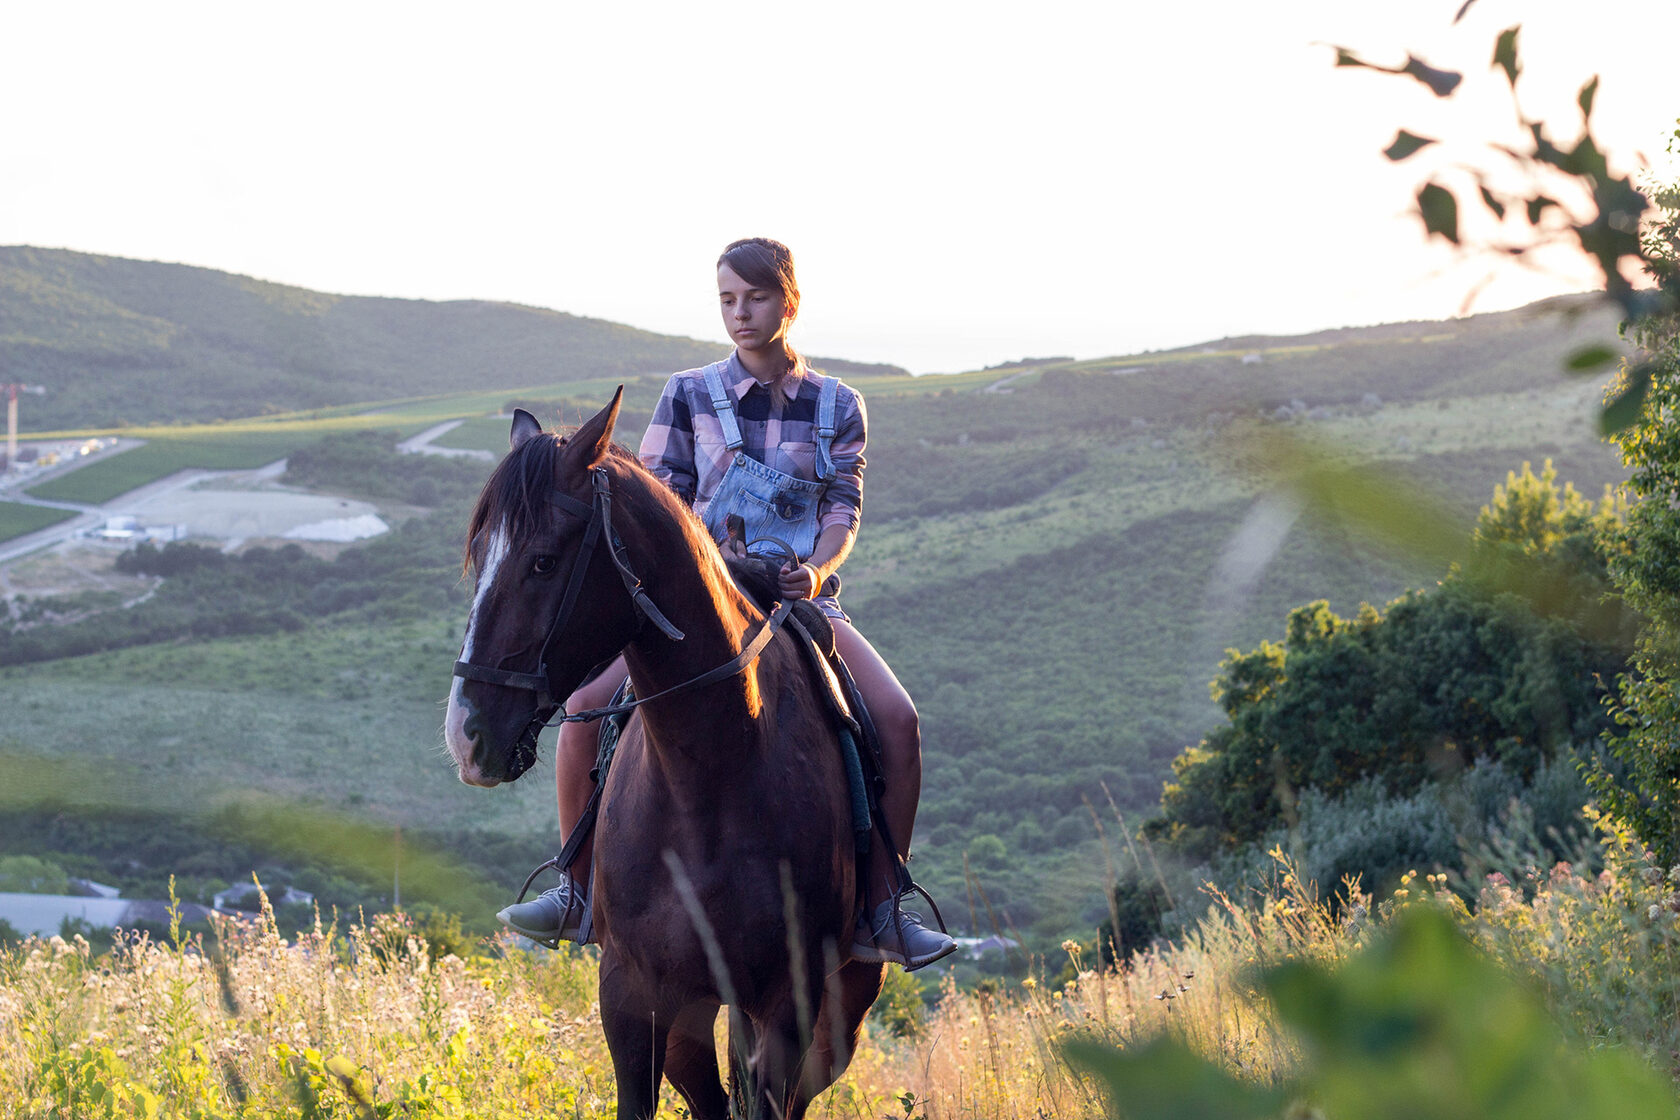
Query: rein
x,y
599,517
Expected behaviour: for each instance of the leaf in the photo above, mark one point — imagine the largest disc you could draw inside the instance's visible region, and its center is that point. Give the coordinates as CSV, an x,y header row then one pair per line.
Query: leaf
x,y
1586,159
1406,145
1465,7
1440,211
1422,1024
1440,82
1590,358
1493,203
1166,1080
1505,54
1623,409
1588,93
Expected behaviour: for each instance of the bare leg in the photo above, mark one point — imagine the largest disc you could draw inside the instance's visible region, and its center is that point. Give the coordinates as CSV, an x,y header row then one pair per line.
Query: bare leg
x,y
900,729
574,758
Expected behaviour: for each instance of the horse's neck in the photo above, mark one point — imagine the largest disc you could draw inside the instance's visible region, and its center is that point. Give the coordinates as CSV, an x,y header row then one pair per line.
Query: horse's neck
x,y
715,625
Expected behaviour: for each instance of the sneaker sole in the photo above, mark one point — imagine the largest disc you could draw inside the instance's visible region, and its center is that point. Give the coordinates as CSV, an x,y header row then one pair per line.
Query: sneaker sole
x,y
925,961
542,937
874,954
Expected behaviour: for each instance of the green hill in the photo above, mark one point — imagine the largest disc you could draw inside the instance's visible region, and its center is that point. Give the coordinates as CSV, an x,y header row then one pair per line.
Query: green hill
x,y
120,342
1045,560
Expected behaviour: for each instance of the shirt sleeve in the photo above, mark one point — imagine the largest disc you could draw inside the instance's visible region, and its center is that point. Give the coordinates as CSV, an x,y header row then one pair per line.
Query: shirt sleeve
x,y
843,502
667,449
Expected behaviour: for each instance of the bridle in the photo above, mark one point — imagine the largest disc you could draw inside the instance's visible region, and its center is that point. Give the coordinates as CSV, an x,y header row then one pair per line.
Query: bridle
x,y
598,515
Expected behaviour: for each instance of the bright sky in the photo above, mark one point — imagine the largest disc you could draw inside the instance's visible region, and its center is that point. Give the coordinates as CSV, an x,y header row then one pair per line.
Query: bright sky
x,y
962,183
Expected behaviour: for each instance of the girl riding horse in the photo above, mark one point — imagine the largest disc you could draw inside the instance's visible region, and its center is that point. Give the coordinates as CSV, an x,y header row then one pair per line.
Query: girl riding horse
x,y
763,438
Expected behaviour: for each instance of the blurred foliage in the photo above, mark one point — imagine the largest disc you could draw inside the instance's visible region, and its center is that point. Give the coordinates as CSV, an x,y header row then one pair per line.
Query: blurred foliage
x,y
1642,786
1563,193
451,882
1504,660
1419,1025
901,1007
32,875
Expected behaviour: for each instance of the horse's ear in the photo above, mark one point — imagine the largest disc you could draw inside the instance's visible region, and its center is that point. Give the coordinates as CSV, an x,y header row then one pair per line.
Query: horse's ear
x,y
524,427
592,440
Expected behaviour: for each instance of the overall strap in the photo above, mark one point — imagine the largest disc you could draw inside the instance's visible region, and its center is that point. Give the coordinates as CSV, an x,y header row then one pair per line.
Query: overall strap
x,y
825,428
722,406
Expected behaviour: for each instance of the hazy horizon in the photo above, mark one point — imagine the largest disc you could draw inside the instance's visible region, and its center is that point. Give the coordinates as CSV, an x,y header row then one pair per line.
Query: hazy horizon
x,y
960,188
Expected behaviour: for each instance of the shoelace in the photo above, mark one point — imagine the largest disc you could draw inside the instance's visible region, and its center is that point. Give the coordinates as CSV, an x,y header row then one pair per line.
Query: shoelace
x,y
904,918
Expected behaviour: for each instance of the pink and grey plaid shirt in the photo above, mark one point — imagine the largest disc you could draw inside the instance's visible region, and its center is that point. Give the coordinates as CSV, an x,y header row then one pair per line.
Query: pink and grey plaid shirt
x,y
684,445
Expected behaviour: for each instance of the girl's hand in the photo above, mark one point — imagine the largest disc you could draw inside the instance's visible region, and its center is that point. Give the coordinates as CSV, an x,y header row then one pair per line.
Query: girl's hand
x,y
800,582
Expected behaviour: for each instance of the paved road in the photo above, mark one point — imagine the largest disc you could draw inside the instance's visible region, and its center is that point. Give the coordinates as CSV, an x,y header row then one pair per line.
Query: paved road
x,y
91,516
422,444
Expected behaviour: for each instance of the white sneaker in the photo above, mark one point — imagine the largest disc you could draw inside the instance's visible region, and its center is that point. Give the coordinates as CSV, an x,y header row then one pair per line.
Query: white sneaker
x,y
558,914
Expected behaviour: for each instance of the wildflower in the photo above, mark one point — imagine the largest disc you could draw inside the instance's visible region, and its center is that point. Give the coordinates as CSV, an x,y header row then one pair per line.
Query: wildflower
x,y
1029,983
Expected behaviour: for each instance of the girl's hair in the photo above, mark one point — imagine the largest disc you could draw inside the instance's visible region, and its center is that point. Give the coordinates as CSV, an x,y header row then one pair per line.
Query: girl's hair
x,y
734,524
764,263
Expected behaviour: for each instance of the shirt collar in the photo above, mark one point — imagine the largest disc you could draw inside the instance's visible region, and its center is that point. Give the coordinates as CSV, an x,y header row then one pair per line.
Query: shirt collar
x,y
743,382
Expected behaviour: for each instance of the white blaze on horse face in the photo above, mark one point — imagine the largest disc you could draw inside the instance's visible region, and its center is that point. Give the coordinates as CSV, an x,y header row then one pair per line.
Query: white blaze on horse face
x,y
454,723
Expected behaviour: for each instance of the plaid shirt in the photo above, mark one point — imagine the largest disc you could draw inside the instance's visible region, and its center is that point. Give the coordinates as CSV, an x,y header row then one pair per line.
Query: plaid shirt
x,y
684,445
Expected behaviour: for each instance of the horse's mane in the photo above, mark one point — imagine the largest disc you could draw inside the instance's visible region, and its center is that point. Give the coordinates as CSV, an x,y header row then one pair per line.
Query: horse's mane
x,y
516,494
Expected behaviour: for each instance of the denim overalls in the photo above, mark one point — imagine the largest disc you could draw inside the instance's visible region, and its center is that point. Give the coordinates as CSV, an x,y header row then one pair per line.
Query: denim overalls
x,y
774,506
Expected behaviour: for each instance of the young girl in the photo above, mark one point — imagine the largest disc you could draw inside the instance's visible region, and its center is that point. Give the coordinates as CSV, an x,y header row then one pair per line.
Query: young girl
x,y
763,441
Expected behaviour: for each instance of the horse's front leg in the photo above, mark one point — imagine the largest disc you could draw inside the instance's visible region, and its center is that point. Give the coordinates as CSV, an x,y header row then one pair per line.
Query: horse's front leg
x,y
691,1062
848,994
776,1060
636,1038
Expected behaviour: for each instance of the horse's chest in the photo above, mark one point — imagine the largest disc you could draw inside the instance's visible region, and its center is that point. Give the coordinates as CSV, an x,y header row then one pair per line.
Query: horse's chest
x,y
734,863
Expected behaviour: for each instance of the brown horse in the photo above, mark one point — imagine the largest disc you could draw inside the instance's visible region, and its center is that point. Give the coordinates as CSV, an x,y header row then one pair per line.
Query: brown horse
x,y
723,868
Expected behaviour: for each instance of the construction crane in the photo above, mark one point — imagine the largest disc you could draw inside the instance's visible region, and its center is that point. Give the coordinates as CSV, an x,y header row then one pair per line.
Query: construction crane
x,y
13,388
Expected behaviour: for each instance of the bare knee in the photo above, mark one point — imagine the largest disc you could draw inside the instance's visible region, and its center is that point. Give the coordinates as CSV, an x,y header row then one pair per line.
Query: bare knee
x,y
899,726
598,693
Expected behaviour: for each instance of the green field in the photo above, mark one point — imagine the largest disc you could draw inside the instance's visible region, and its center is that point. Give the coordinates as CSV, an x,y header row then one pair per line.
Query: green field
x,y
16,519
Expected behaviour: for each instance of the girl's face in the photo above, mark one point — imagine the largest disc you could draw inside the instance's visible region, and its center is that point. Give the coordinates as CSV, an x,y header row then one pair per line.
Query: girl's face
x,y
756,318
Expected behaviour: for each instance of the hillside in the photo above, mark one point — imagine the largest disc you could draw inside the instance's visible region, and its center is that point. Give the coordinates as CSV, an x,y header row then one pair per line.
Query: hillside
x,y
121,342
1041,562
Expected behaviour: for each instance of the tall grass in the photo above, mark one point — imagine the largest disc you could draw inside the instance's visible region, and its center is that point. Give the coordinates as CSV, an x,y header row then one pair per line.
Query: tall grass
x,y
366,1020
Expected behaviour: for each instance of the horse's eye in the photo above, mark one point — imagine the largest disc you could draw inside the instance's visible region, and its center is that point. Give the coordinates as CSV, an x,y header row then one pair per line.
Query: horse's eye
x,y
543,565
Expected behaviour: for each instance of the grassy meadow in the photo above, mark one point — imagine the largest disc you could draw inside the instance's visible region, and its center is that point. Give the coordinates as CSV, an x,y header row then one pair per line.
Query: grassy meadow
x,y
359,1017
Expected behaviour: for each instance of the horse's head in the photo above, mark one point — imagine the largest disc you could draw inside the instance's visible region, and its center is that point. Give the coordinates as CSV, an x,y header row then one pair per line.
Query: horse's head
x,y
529,531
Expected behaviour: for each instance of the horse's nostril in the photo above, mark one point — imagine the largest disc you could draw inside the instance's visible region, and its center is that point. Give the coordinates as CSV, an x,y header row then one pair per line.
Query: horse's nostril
x,y
470,727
